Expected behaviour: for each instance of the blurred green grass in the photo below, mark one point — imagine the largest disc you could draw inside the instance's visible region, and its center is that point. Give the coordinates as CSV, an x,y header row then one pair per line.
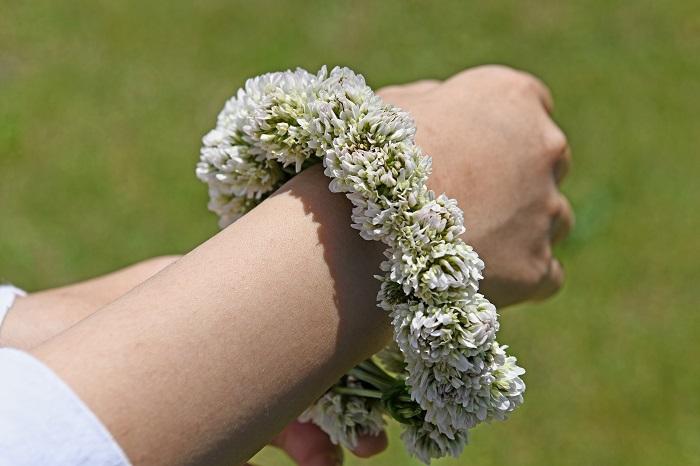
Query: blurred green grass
x,y
102,105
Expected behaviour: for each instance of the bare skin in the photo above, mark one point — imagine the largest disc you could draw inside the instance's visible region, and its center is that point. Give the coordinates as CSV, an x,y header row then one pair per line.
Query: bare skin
x,y
212,362
44,314
491,136
525,160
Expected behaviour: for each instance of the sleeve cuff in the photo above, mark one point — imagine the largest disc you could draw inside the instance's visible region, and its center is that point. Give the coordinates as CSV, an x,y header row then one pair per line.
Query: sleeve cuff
x,y
44,423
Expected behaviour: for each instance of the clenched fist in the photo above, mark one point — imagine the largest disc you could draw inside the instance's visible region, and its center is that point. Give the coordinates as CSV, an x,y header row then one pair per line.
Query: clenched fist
x,y
497,151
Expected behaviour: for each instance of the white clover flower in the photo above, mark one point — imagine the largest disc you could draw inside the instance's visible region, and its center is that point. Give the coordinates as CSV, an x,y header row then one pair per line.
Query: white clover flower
x,y
438,219
344,417
449,373
454,271
508,388
234,171
277,129
446,333
229,208
488,386
426,442
437,272
390,294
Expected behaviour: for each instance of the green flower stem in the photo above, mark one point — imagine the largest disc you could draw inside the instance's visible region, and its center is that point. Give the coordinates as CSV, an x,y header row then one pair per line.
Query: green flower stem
x,y
364,392
409,412
370,366
377,381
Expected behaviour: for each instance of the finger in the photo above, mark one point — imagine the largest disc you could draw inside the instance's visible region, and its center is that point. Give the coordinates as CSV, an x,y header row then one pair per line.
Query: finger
x,y
552,282
562,165
563,221
308,445
370,445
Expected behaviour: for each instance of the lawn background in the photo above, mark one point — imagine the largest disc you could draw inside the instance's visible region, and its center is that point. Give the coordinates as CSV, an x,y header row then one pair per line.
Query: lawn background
x,y
102,106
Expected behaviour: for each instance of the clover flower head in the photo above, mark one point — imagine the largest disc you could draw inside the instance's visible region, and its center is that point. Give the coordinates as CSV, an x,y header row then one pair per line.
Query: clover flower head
x,y
438,272
426,442
486,386
448,332
344,417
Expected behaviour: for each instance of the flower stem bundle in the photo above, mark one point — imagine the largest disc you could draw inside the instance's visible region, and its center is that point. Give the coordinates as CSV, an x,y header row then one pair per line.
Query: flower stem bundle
x,y
444,373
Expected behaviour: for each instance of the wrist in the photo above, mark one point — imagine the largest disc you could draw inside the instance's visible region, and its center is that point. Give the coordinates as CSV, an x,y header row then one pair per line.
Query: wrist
x,y
352,261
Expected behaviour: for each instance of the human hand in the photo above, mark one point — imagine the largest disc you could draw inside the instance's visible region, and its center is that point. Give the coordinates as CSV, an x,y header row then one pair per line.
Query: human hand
x,y
497,151
308,445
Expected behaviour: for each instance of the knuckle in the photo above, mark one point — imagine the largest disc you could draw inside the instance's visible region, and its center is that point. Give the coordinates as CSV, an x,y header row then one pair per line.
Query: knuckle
x,y
523,80
569,212
555,141
551,281
496,68
566,214
387,90
562,165
422,87
562,220
558,276
530,85
556,281
539,270
554,206
528,82
499,72
565,206
426,83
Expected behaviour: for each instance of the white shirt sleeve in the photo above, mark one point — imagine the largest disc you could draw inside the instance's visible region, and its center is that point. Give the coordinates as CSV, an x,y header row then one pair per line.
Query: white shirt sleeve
x,y
44,423
8,293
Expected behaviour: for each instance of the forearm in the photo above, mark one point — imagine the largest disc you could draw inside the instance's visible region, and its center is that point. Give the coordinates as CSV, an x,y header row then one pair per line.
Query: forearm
x,y
213,355
41,315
